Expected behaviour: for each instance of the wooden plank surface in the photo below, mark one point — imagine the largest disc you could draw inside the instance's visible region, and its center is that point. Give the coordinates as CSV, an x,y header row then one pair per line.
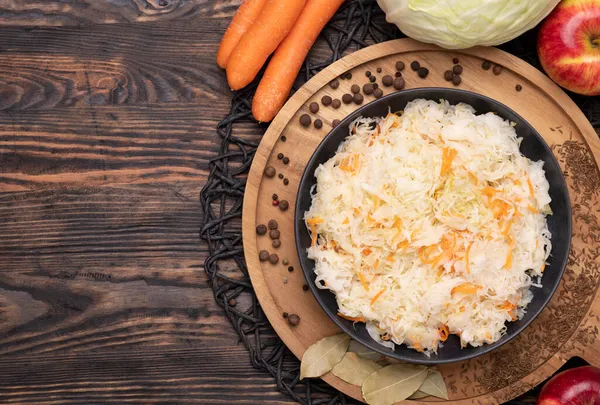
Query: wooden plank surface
x,y
105,135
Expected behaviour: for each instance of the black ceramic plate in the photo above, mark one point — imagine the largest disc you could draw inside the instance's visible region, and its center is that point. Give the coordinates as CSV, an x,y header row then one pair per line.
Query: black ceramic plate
x,y
532,146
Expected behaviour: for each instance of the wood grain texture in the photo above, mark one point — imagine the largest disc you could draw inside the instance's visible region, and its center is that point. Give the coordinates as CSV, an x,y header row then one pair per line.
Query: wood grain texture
x,y
106,131
36,13
564,329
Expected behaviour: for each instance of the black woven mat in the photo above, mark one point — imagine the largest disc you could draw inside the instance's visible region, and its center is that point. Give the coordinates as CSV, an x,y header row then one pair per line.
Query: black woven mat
x,y
357,24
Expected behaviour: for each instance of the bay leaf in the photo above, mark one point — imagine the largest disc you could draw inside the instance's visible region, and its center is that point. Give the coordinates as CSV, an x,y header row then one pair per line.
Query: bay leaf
x,y
393,383
323,355
434,385
354,369
363,351
418,395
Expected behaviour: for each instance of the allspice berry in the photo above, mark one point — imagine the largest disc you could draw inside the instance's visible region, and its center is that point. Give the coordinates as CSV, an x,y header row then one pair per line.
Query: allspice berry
x,y
273,258
276,243
273,224
270,171
284,205
261,229
274,234
387,80
293,319
263,255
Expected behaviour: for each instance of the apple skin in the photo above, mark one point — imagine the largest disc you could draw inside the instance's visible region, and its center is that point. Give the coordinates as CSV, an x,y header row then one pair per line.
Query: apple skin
x,y
569,46
577,386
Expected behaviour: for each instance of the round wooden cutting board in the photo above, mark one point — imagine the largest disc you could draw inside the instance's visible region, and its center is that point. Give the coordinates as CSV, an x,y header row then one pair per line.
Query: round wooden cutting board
x,y
568,325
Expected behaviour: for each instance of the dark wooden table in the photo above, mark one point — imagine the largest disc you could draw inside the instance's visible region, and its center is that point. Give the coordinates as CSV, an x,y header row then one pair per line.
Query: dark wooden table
x,y
108,111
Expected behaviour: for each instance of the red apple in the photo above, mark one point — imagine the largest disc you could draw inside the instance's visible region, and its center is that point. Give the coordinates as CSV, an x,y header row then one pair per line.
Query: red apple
x,y
577,386
569,46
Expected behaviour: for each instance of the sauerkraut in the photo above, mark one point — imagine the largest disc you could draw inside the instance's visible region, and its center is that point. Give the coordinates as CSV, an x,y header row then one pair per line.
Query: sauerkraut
x,y
430,222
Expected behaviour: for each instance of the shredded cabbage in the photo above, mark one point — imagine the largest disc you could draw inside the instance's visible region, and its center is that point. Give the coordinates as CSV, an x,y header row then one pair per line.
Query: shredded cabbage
x,y
429,223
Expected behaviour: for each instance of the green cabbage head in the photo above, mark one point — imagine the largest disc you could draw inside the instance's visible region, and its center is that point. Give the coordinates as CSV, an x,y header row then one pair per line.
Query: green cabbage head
x,y
457,24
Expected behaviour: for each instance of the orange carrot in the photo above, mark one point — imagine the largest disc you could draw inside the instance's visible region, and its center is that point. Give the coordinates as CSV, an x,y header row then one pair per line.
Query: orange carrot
x,y
276,84
241,22
275,21
350,318
376,297
465,288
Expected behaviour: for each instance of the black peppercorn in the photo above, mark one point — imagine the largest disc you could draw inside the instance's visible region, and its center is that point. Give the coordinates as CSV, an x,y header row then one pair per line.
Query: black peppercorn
x,y
283,138
274,234
458,69
276,243
273,258
399,66
518,87
270,171
261,229
372,79
280,175
414,65
348,76
291,268
423,72
280,156
285,314
284,205
273,224
263,255
293,319
286,160
305,287
275,197
379,70
368,73
486,65
286,181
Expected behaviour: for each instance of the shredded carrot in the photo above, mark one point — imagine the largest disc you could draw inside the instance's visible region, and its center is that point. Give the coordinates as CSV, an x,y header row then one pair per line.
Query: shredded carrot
x,y
509,306
363,281
313,230
488,335
444,333
531,208
427,254
440,271
417,346
543,267
350,163
537,243
448,155
530,187
366,251
390,258
513,316
466,288
350,318
489,191
462,309
403,245
376,297
509,257
356,211
346,221
376,263
467,267
385,337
